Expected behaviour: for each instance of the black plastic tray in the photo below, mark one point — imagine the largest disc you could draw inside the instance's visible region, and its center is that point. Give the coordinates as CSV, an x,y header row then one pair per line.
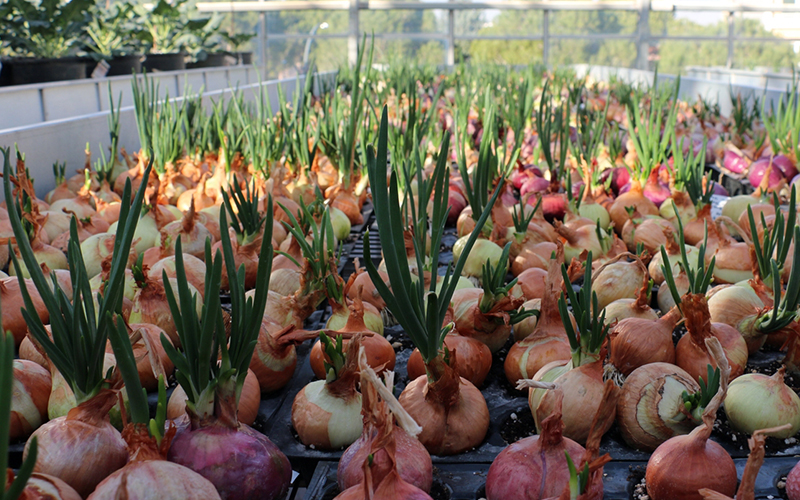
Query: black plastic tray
x,y
734,185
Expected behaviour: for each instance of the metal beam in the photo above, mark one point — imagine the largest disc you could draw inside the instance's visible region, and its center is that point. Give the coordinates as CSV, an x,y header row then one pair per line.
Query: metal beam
x,y
255,5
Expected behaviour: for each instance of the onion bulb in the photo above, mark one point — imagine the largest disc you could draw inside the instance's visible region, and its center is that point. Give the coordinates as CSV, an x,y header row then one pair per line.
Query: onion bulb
x,y
155,479
756,401
249,400
482,251
531,283
29,396
45,487
12,305
637,342
618,279
634,197
651,409
475,359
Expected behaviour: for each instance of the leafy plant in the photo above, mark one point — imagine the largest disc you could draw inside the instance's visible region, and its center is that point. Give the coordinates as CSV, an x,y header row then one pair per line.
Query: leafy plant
x,y
46,28
113,32
204,37
164,27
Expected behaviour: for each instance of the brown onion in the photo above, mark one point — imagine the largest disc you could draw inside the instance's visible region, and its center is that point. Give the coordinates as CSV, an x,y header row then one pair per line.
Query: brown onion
x,y
531,283
195,271
649,231
29,396
11,298
691,353
150,306
650,409
634,197
637,342
492,327
618,279
475,359
536,255
46,487
145,480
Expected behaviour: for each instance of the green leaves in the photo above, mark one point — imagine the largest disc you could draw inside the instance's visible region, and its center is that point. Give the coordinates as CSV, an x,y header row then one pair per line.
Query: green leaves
x,y
696,403
775,240
699,276
79,330
246,219
587,339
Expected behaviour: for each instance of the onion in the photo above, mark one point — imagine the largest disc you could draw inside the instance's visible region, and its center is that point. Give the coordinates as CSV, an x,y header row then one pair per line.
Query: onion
x,y
143,480
554,206
12,305
340,315
582,389
637,342
732,262
654,190
95,249
765,168
465,223
152,359
232,458
451,411
635,198
694,458
326,414
548,341
475,359
527,326
536,255
533,185
664,297
194,267
56,224
582,239
734,160
80,206
43,486
246,412
146,235
537,463
82,448
531,283
493,327
243,255
617,279
369,293
755,401
691,353
44,254
793,483
482,251
738,306
649,231
150,306
736,205
192,233
676,261
340,222
29,396
412,461
767,209
651,409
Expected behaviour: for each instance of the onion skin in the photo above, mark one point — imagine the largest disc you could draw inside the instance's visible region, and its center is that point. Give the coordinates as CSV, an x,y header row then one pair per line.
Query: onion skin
x,y
410,457
155,480
793,483
535,255
29,397
45,487
617,280
532,283
82,448
475,356
755,401
380,354
240,462
650,404
247,410
537,464
11,298
634,197
671,465
691,353
738,307
493,327
637,342
451,411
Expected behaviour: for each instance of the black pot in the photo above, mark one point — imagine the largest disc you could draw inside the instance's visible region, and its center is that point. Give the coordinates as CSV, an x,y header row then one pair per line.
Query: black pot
x,y
240,58
33,70
212,60
5,72
125,65
165,62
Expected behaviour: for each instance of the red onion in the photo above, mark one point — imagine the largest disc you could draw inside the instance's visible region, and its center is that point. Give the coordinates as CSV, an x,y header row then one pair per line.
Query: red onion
x,y
785,165
534,185
654,190
734,162
759,168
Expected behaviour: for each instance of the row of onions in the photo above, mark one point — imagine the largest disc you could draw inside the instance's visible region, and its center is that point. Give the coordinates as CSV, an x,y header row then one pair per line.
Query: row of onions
x,y
590,196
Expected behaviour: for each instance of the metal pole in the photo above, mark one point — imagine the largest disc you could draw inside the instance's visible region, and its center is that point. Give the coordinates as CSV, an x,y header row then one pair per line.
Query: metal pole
x,y
731,34
352,36
546,37
451,37
643,35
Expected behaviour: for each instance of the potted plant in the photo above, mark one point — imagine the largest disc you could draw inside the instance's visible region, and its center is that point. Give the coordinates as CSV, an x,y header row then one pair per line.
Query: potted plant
x,y
204,44
164,35
44,38
235,42
113,38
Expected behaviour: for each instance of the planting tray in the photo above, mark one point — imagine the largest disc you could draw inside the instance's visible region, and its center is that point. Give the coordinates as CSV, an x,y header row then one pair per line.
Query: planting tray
x,y
622,480
734,184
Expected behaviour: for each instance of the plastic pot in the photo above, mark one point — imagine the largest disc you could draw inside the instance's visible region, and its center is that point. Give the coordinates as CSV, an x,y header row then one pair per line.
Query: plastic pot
x,y
212,60
173,61
33,70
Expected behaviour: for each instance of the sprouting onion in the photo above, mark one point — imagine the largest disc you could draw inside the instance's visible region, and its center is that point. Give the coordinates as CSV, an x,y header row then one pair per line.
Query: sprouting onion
x,y
696,403
588,337
11,490
689,172
698,276
421,312
246,220
550,124
775,240
77,349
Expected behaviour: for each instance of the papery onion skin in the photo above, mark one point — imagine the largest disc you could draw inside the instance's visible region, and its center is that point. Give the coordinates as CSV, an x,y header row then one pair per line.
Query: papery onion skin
x,y
481,251
737,306
531,283
247,410
325,420
240,463
756,401
46,487
80,454
637,342
667,474
380,354
650,402
29,396
617,280
634,197
475,356
447,430
155,480
793,483
12,305
413,462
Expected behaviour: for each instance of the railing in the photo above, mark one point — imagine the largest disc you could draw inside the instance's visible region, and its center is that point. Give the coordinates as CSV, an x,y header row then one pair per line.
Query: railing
x,y
642,36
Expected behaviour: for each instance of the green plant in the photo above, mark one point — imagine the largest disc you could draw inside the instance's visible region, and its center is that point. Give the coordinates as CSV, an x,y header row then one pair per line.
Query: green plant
x,y
204,37
236,40
164,27
45,29
113,32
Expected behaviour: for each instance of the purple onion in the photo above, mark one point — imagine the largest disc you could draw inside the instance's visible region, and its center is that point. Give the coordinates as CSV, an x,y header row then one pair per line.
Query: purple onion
x,y
795,179
786,166
654,190
757,171
240,463
734,162
624,189
576,189
534,185
719,189
619,178
518,178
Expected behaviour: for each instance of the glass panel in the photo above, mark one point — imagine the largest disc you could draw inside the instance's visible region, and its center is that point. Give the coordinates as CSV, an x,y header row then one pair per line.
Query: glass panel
x,y
674,55
604,21
621,53
770,56
688,23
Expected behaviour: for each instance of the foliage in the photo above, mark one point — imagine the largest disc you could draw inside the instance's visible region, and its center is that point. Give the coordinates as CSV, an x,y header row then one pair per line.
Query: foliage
x,y
45,29
113,31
